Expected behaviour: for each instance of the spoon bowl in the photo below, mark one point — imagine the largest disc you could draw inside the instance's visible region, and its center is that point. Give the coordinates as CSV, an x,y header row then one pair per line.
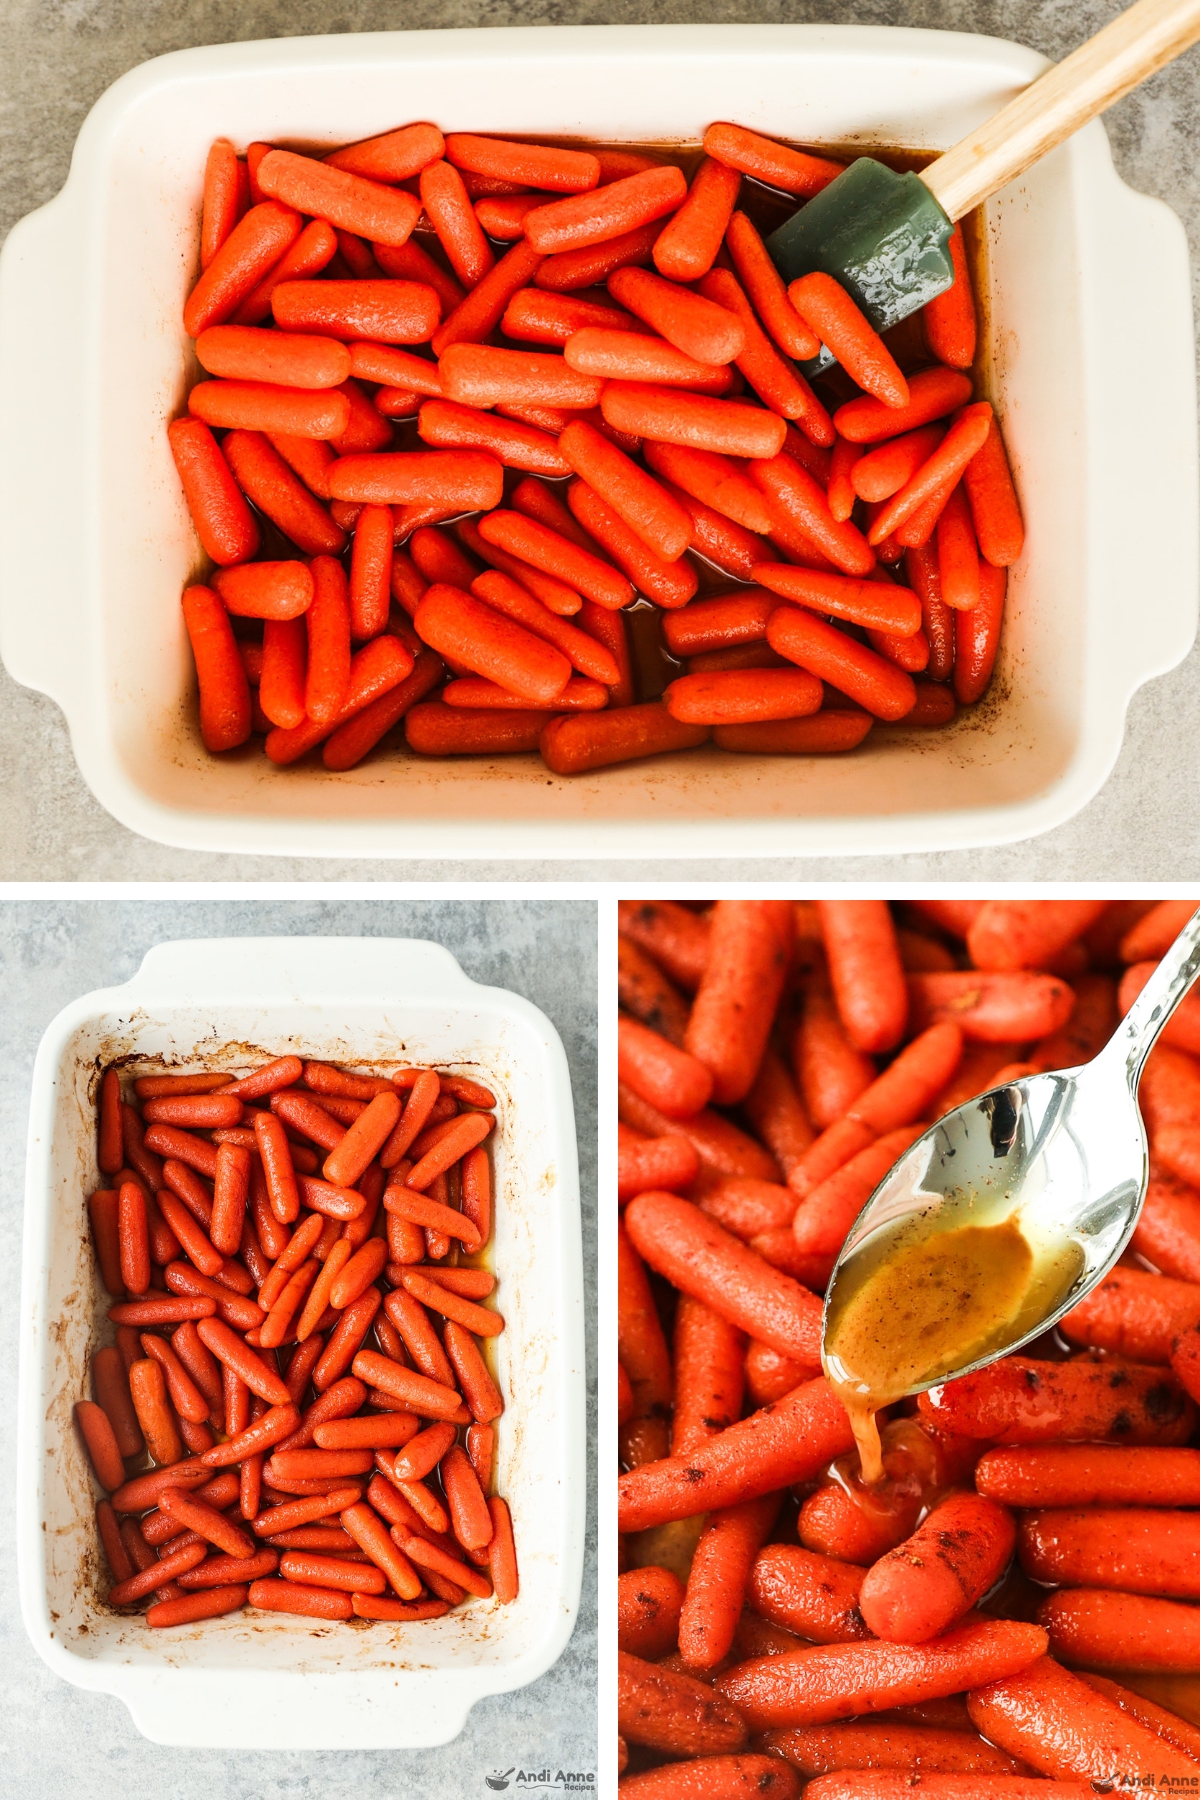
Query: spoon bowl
x,y
1055,1163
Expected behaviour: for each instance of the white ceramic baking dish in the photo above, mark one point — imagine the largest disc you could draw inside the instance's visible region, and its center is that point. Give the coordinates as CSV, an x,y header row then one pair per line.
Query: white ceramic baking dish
x,y
95,542
259,1680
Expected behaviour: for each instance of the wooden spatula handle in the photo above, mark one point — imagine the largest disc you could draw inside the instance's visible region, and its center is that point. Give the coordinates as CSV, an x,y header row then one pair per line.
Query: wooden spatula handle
x,y
1136,43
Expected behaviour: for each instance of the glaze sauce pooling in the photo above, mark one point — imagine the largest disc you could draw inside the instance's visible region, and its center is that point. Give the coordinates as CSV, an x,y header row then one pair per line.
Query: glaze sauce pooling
x,y
928,1295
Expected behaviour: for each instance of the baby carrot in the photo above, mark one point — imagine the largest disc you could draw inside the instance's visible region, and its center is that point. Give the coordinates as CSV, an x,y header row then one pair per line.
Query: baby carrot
x,y
775,1447
867,678
644,1163
264,476
386,312
312,251
864,968
104,1452
923,1587
814,1596
1105,1630
834,1523
827,308
1136,1550
688,246
991,1007
252,248
796,499
257,406
708,1354
750,943
829,1209
224,691
1061,1727
673,1712
768,295
671,1079
949,318
675,417
733,697
977,636
994,508
224,523
831,1072
1021,1401
219,210
932,393
648,1604
635,520
383,214
717,1580
615,210
573,744
778,165
532,165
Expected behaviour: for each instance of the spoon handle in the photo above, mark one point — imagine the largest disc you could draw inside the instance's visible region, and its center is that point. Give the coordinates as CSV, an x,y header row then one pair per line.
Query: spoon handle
x,y
1135,1036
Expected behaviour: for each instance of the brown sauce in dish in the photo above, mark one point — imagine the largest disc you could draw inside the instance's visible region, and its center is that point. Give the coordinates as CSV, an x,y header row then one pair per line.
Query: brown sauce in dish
x,y
928,1295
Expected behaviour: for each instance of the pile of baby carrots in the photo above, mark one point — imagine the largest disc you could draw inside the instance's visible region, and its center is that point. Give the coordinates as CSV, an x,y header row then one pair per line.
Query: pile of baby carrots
x,y
598,366
1003,1610
297,1345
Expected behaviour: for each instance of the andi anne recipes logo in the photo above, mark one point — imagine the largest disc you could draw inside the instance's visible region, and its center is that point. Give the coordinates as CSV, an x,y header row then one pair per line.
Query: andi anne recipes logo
x,y
547,1780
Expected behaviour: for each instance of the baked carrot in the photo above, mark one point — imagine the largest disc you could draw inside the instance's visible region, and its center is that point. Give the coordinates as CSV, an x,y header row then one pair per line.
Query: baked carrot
x,y
571,745
992,1007
672,1079
778,165
224,690
876,605
673,1712
993,501
828,1210
836,1681
641,1346
774,1448
607,212
750,942
865,973
795,498
1105,1630
865,677
714,1778
814,1596
923,1587
776,382
1090,1475
648,1606
1148,1318
1136,1550
1060,1726
651,515
717,1580
977,636
224,523
1023,1401
827,308
660,1162
830,1071
853,1524
1027,934
708,1354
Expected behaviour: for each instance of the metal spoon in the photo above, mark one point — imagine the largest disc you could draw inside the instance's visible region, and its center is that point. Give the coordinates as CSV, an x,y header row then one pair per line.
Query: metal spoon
x,y
1064,1152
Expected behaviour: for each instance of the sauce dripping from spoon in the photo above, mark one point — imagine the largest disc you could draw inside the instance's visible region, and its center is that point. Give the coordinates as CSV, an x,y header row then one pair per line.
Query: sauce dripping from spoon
x,y
927,1295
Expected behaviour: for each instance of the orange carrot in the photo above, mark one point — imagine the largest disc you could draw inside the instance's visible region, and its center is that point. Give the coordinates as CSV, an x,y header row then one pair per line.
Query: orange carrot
x,y
1055,1722
673,1712
1021,1401
865,677
814,1596
750,943
672,416
648,1605
689,245
716,1584
778,165
845,330
932,394
1105,1630
606,213
864,968
923,1587
768,295
949,318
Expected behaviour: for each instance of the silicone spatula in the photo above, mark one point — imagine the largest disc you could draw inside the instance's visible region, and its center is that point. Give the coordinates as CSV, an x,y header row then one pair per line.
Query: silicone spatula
x,y
884,235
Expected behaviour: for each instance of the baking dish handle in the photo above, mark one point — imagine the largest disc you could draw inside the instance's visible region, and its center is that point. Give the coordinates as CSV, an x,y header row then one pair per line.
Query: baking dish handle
x,y
275,969
42,452
1144,506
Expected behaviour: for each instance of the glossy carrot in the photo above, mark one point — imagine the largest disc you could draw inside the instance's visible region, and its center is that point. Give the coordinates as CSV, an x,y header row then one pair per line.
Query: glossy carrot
x,y
797,501
531,165
311,252
223,521
923,1587
991,1007
615,210
253,247
977,636
714,480
264,475
867,678
949,318
675,937
836,1681
778,165
380,213
765,287
750,942
734,697
1133,1549
133,1237
615,484
573,744
449,211
827,308
717,1581
536,317
773,1448
224,691
219,209
648,1605
668,1077
814,1596
776,382
672,416
251,1368
1027,934
738,618
394,156
544,549
688,246
645,991
1023,1401
994,507
673,1712
864,969
244,353
1059,1725
100,1439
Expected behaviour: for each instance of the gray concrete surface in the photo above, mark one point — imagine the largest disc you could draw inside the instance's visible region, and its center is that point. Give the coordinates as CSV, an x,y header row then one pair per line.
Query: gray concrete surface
x,y
56,1739
57,57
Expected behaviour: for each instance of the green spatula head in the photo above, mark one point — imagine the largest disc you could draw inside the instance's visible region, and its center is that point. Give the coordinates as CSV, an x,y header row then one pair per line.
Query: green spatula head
x,y
880,233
